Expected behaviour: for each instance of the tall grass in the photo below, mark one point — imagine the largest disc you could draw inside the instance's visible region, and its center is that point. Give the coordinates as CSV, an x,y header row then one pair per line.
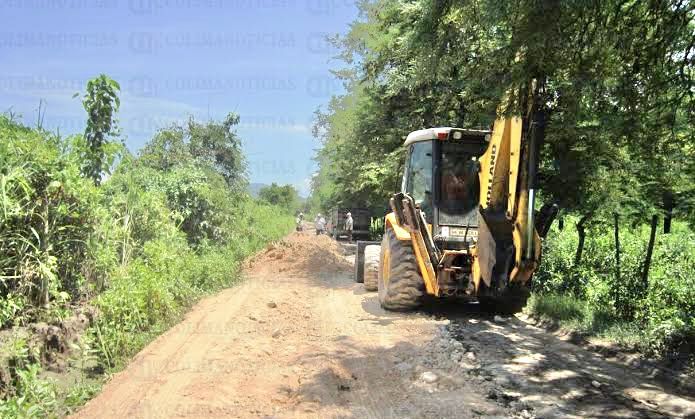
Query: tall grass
x,y
577,315
46,217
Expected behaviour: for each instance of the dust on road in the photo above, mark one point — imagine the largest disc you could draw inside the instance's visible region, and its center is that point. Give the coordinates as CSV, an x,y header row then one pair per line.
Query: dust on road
x,y
300,339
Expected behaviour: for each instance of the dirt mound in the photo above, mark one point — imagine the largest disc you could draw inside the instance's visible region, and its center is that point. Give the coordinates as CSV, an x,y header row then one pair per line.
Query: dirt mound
x,y
300,252
56,339
44,343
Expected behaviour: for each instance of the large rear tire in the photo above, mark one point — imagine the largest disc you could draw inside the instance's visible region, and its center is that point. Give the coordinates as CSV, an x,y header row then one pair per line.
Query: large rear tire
x,y
400,285
371,267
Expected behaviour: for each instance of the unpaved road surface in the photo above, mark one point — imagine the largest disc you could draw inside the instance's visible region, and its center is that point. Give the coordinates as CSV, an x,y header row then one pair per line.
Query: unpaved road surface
x,y
300,339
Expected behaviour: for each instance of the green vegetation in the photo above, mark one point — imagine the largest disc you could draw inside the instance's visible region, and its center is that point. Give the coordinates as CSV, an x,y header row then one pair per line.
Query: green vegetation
x,y
101,103
655,317
577,315
285,196
130,241
612,85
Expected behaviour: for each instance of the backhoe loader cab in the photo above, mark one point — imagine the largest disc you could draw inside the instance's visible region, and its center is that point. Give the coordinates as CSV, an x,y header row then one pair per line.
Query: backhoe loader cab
x,y
441,175
463,223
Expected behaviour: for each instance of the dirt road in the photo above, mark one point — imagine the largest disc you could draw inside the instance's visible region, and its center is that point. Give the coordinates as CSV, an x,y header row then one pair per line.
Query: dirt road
x,y
300,339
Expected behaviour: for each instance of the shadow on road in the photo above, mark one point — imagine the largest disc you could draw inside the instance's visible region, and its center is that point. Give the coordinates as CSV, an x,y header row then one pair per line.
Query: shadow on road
x,y
486,367
515,370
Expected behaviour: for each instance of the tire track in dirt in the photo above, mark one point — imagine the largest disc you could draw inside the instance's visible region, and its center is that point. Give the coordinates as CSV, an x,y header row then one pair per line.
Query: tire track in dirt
x,y
300,339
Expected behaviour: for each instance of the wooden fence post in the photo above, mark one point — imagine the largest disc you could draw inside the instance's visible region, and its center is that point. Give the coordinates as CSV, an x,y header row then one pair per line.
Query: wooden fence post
x,y
617,247
650,251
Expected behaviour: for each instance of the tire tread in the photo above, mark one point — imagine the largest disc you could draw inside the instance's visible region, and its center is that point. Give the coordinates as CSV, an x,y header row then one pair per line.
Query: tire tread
x,y
406,288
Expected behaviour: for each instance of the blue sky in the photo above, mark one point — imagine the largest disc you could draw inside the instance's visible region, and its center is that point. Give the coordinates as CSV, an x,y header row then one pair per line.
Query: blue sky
x,y
264,59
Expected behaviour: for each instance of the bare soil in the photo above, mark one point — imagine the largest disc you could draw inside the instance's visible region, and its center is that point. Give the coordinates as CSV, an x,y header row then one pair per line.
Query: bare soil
x,y
300,339
51,345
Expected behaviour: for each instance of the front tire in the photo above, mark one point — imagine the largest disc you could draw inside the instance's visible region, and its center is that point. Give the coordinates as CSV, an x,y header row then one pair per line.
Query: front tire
x,y
400,284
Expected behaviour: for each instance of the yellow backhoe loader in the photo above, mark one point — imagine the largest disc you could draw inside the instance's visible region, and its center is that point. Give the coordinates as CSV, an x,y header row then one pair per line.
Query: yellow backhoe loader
x,y
464,223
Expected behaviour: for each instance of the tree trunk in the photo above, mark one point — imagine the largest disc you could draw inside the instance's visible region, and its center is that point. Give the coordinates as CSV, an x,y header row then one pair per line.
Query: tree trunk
x,y
582,236
668,210
650,251
617,247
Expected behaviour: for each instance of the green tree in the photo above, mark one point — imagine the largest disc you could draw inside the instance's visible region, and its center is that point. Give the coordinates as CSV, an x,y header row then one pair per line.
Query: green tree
x,y
283,196
101,103
218,145
167,149
213,144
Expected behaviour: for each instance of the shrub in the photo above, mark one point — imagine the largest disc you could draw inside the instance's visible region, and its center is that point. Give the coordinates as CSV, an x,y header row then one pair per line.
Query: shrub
x,y
36,397
661,312
47,215
669,309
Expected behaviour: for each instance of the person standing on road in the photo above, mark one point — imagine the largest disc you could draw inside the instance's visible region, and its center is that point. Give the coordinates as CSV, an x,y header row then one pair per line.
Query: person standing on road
x,y
299,220
348,225
320,224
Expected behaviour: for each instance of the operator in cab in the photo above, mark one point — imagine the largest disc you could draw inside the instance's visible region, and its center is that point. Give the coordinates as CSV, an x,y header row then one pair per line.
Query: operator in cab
x,y
459,184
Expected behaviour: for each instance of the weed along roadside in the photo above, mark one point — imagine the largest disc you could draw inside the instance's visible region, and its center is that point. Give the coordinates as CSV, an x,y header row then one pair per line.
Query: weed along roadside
x,y
96,263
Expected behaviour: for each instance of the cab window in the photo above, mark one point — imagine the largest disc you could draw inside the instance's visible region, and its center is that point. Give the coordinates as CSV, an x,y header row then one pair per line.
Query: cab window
x,y
419,175
459,185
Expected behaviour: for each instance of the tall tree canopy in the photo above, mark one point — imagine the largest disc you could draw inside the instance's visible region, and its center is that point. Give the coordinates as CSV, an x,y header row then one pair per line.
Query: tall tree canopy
x,y
616,89
284,196
213,144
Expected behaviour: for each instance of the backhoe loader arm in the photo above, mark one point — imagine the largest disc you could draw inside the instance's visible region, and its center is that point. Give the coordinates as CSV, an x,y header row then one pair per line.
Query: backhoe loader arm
x,y
500,167
506,202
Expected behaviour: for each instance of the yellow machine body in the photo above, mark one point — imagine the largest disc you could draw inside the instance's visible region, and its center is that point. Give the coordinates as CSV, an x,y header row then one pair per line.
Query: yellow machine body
x,y
504,198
